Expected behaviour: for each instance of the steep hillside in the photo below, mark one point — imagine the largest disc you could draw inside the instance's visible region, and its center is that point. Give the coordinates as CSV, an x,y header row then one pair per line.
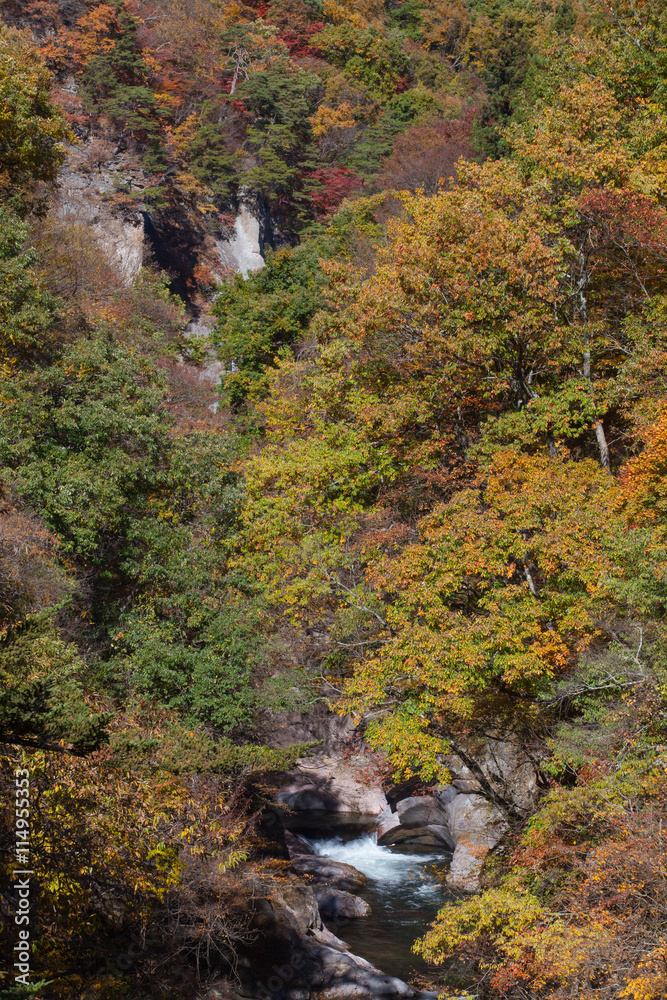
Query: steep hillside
x,y
181,108
423,247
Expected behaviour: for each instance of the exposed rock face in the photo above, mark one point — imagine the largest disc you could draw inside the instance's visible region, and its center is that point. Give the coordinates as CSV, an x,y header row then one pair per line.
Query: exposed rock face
x,y
473,814
331,785
244,251
123,242
476,826
85,187
348,977
506,767
464,816
420,810
292,906
212,370
419,819
102,188
466,823
319,725
446,794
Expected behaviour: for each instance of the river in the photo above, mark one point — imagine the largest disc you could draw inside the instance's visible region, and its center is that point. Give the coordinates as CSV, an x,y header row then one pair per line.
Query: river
x,y
405,891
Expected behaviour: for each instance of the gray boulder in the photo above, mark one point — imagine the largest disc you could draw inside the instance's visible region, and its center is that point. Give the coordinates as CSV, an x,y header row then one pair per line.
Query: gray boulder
x,y
476,827
289,908
329,784
299,958
433,835
421,810
336,903
325,871
388,821
321,870
505,766
317,725
446,794
348,977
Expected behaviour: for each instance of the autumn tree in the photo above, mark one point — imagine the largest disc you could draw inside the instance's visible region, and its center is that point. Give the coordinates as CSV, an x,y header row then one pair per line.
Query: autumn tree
x,y
33,129
425,156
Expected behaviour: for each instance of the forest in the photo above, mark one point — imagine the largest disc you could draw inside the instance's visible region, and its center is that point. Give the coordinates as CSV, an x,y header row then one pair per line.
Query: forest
x,y
428,491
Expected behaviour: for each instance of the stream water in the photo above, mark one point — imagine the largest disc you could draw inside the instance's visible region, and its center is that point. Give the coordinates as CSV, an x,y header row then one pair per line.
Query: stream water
x,y
405,892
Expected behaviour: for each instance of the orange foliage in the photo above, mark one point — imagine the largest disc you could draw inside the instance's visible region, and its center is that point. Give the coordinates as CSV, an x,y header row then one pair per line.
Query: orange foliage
x,y
91,35
642,493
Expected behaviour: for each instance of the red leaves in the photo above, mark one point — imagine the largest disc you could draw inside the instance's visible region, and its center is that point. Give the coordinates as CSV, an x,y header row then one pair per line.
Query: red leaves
x,y
334,184
626,218
298,42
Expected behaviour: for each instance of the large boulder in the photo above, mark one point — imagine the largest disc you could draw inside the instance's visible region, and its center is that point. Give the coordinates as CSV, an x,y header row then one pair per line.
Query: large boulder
x,y
348,977
323,871
334,901
299,958
505,767
446,794
290,908
387,822
476,827
465,822
420,819
422,836
332,785
319,869
335,904
421,810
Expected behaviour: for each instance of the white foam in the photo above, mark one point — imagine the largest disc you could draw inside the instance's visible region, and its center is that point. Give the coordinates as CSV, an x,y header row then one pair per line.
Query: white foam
x,y
376,862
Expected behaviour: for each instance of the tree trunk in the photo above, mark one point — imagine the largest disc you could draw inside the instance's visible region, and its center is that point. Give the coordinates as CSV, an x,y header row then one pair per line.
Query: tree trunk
x,y
597,425
602,444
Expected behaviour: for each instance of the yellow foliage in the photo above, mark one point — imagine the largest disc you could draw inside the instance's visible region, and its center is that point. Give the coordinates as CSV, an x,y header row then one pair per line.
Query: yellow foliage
x,y
651,984
359,13
409,748
327,119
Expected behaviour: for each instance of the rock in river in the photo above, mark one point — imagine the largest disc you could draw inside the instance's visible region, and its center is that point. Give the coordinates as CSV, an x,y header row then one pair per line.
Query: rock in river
x,y
336,903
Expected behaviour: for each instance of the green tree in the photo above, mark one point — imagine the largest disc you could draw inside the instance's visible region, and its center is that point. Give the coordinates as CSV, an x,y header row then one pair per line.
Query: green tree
x,y
506,56
264,313
29,314
114,83
81,441
281,102
42,698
